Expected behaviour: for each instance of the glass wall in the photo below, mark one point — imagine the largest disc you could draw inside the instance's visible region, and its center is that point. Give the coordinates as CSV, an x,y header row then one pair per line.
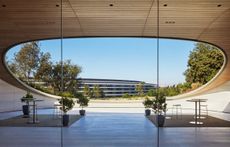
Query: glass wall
x,y
98,91
28,117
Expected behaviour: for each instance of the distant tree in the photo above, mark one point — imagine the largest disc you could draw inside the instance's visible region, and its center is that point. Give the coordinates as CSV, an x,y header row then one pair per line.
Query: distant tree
x,y
184,87
97,92
44,71
151,92
13,68
162,91
204,62
140,89
70,73
172,90
87,92
30,62
27,59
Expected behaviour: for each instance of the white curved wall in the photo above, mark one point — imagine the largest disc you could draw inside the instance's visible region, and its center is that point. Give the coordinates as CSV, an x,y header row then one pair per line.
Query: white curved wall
x,y
10,98
218,100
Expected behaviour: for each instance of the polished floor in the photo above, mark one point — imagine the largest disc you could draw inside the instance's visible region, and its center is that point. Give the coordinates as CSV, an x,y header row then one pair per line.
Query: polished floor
x,y
113,130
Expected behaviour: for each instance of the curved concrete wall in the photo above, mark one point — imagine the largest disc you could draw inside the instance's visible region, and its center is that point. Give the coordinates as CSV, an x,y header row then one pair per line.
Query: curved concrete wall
x,y
10,98
217,102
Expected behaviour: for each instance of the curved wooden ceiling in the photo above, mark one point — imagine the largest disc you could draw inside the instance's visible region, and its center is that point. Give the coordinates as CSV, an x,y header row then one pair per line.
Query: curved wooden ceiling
x,y
204,20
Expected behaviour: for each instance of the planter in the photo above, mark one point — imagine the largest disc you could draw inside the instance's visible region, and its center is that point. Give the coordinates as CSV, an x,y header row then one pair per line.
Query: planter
x,y
160,119
65,120
82,112
26,110
147,112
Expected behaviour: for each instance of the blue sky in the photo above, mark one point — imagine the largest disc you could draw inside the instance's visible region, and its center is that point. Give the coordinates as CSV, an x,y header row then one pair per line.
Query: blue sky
x,y
123,58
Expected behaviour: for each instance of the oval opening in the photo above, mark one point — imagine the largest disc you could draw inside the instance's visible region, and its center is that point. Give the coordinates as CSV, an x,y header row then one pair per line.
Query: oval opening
x,y
116,66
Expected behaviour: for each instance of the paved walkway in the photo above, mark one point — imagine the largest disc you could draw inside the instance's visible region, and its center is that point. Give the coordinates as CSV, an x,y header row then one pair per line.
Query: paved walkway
x,y
113,130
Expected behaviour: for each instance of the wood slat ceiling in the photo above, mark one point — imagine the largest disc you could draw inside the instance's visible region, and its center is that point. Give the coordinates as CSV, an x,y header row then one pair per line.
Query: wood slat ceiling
x,y
205,20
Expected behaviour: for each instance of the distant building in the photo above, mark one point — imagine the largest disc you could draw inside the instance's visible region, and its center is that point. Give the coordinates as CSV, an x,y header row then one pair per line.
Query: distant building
x,y
114,88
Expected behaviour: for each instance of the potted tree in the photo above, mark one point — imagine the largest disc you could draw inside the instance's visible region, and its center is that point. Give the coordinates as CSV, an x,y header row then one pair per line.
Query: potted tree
x,y
148,103
83,102
159,107
26,99
67,103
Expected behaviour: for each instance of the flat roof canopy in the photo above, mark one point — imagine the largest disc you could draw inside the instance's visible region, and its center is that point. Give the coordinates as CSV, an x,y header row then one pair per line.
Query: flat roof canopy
x,y
203,20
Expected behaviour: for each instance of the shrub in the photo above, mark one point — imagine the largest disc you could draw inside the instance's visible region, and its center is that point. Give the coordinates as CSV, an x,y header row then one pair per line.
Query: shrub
x,y
66,101
148,103
83,101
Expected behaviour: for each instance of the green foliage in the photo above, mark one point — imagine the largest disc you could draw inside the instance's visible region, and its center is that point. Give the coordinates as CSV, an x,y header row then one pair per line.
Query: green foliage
x,y
148,103
97,92
151,92
204,62
28,95
140,89
27,59
70,73
126,95
13,68
83,101
44,71
159,103
78,94
42,88
27,98
31,65
87,92
171,90
66,101
184,87
66,94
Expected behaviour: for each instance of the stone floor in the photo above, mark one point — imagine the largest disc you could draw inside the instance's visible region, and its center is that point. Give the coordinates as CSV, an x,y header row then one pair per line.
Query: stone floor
x,y
113,130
